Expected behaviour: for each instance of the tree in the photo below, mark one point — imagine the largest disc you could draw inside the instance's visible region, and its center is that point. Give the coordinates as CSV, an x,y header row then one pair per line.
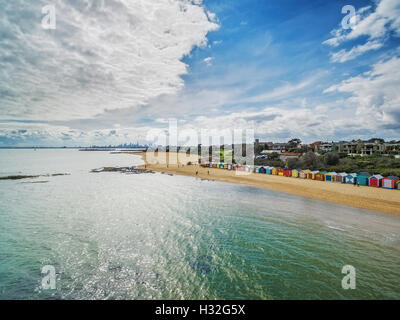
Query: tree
x,y
379,140
258,148
292,144
331,159
293,163
273,156
309,160
294,141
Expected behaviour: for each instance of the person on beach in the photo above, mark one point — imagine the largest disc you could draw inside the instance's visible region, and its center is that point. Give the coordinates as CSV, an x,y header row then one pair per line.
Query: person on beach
x,y
197,173
355,182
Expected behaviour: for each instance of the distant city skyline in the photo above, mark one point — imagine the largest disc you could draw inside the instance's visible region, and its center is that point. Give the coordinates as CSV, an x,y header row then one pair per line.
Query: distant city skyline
x,y
112,71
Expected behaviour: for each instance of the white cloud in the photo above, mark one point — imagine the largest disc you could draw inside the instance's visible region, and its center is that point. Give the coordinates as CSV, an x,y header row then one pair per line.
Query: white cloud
x,y
104,55
284,91
376,26
273,123
344,55
208,61
375,96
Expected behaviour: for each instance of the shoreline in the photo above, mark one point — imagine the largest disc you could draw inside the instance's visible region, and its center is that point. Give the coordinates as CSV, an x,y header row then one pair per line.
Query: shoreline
x,y
376,199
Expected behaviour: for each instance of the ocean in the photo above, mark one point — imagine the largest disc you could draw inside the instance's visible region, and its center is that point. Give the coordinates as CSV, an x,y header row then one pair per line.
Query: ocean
x,y
111,235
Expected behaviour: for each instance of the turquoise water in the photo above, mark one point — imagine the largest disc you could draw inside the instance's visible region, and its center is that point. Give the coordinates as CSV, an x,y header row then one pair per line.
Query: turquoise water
x,y
155,236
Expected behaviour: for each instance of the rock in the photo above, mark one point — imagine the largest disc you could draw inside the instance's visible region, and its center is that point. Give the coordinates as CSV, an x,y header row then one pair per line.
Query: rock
x,y
126,170
19,177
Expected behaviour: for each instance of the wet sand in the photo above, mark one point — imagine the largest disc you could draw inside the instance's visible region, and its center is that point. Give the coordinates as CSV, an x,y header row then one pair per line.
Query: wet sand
x,y
377,199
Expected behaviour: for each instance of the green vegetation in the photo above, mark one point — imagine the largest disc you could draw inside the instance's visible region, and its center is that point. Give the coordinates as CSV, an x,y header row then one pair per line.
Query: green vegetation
x,y
375,164
269,162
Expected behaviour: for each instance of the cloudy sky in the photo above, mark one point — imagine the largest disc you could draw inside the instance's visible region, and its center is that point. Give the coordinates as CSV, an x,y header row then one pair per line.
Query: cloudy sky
x,y
112,70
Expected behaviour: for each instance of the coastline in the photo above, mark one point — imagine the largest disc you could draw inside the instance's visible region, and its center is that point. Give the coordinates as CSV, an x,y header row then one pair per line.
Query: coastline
x,y
376,199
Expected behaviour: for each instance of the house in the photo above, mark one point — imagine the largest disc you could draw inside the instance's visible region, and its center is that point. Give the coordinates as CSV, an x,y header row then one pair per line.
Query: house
x,y
390,182
363,178
296,173
275,171
260,169
314,146
351,178
312,174
398,185
392,148
288,173
320,176
361,147
350,147
281,172
331,176
285,156
265,153
264,169
326,147
303,174
269,170
375,181
280,146
370,147
341,177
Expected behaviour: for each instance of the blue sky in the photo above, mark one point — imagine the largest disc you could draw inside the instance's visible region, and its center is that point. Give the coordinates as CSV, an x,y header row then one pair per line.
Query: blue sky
x,y
112,71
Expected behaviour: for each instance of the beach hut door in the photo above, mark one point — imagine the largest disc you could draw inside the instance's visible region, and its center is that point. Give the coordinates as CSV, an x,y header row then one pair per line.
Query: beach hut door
x,y
387,183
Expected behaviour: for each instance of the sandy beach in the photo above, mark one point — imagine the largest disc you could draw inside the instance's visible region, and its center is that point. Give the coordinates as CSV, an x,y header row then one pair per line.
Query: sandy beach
x,y
377,199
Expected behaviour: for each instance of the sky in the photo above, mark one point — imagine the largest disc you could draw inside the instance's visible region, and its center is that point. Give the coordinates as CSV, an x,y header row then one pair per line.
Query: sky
x,y
111,71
